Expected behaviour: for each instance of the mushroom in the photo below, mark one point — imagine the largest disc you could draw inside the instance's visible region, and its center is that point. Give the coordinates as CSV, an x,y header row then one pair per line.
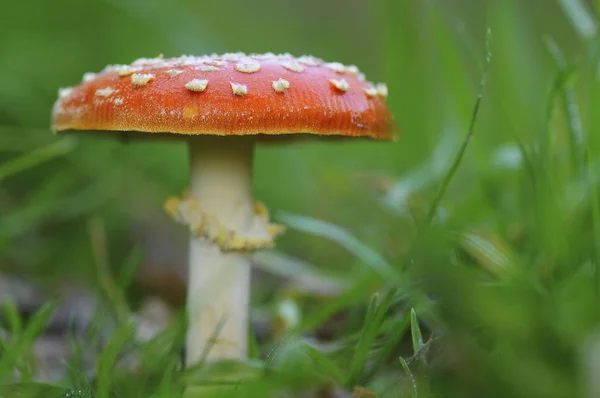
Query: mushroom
x,y
221,106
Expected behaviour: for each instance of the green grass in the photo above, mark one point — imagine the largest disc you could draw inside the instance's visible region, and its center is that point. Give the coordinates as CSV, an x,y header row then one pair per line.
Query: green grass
x,y
463,260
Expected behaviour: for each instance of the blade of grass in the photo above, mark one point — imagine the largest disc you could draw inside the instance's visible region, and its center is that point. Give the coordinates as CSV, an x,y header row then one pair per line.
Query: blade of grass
x,y
426,174
11,313
38,321
373,319
569,103
353,294
497,103
417,337
108,358
75,366
41,204
253,346
22,343
343,238
161,349
168,382
581,17
35,157
129,268
490,254
459,156
108,286
305,276
360,354
30,138
397,331
324,364
454,72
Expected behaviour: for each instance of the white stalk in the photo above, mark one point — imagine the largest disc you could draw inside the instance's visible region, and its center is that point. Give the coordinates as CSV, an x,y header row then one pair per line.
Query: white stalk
x,y
219,281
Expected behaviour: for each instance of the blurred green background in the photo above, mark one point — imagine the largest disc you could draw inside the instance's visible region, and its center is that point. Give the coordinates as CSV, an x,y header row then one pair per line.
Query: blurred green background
x,y
429,53
504,278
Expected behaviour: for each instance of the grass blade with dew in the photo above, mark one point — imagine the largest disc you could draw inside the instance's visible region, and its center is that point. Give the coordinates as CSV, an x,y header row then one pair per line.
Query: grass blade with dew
x,y
459,156
497,104
36,157
413,381
428,173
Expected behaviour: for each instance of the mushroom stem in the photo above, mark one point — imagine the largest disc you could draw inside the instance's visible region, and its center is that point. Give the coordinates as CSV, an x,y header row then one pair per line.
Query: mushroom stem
x,y
219,280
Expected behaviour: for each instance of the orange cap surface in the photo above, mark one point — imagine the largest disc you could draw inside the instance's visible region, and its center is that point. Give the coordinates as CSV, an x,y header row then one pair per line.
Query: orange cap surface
x,y
232,94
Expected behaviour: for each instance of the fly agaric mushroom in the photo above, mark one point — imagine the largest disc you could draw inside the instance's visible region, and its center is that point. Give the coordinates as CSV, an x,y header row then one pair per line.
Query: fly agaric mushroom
x,y
222,106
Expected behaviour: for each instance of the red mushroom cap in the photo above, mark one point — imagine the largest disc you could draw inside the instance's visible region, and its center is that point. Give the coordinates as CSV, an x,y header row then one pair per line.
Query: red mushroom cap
x,y
232,94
